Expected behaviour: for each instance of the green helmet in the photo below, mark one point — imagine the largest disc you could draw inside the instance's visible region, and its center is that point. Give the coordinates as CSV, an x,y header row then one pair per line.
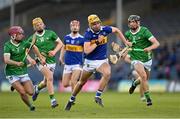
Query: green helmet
x,y
134,18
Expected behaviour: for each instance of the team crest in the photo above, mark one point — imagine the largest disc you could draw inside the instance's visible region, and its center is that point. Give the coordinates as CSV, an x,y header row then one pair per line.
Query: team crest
x,y
72,41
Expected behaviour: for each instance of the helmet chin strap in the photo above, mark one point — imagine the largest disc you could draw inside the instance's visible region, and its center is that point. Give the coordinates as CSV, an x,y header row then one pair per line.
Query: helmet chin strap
x,y
13,37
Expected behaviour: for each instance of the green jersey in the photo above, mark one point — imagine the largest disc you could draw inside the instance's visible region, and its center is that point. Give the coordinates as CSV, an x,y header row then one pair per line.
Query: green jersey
x,y
140,40
45,43
17,53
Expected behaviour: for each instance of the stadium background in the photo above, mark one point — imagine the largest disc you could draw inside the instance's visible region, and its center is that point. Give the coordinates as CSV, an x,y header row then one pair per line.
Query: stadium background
x,y
160,16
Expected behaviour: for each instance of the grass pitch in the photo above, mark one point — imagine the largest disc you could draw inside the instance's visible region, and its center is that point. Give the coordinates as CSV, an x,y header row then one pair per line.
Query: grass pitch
x,y
117,105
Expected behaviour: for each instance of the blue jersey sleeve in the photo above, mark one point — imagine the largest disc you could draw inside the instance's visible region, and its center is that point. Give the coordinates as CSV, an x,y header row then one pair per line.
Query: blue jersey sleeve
x,y
64,40
87,37
108,29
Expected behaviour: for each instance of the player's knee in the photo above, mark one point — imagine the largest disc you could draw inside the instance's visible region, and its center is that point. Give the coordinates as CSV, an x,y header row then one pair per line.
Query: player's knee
x,y
30,92
22,92
49,78
65,85
144,77
107,74
81,83
73,82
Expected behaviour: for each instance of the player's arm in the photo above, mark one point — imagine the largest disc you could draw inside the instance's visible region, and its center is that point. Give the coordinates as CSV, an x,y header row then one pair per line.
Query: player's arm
x,y
121,36
155,44
7,60
89,47
31,60
61,58
36,51
57,48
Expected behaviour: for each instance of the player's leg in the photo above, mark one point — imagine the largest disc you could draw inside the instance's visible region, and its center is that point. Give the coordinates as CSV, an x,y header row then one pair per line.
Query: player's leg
x,y
66,79
37,89
135,83
146,93
142,73
67,73
75,77
83,79
142,97
105,70
42,84
28,86
48,74
20,89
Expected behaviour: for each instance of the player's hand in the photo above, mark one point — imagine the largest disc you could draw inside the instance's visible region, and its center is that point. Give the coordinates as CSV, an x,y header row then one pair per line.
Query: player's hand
x,y
43,60
124,54
19,64
52,53
147,49
100,38
61,60
113,59
128,43
32,62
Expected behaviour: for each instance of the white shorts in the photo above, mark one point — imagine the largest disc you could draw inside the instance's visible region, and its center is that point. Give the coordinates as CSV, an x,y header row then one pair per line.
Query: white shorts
x,y
70,68
50,66
20,78
147,64
92,65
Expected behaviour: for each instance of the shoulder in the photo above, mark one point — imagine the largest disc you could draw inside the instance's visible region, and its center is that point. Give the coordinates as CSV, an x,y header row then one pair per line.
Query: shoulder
x,y
49,31
7,43
30,38
88,32
81,36
143,28
67,36
127,32
106,27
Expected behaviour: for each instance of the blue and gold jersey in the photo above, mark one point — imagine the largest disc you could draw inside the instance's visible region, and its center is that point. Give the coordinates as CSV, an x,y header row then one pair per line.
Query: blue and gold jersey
x,y
100,52
74,49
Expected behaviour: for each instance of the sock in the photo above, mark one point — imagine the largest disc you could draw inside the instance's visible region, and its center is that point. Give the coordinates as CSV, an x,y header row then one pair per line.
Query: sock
x,y
147,95
51,96
31,105
72,99
98,93
40,86
136,82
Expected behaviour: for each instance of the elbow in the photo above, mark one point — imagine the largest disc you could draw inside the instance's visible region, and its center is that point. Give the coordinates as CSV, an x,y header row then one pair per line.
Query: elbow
x,y
5,61
86,52
157,44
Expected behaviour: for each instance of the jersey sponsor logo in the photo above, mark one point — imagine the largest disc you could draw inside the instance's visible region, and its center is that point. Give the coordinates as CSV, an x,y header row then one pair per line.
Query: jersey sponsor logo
x,y
74,48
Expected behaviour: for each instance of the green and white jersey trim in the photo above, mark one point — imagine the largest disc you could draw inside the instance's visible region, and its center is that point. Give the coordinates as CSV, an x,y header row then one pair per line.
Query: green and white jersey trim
x,y
136,31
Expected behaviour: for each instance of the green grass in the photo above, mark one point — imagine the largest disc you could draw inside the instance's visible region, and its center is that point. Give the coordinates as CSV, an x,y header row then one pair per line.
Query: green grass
x,y
117,105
